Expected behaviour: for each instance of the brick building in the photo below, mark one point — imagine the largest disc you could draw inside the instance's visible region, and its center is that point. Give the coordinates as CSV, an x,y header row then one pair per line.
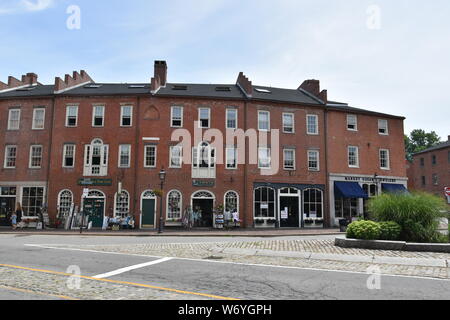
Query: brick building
x,y
277,157
430,170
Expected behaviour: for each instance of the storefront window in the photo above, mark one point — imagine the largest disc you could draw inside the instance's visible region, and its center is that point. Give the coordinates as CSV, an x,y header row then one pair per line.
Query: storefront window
x,y
122,207
372,191
65,200
264,203
313,205
32,200
231,201
346,208
174,205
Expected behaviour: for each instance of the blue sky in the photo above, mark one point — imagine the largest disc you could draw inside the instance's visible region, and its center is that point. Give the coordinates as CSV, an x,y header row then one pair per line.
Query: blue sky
x,y
402,67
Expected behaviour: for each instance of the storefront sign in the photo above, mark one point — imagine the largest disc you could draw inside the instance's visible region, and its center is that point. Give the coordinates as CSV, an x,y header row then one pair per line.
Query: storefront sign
x,y
94,182
367,179
203,184
284,213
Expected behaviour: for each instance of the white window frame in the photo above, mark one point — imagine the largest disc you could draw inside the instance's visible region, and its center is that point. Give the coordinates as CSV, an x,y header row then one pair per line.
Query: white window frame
x,y
317,155
357,157
172,116
116,196
268,120
199,119
293,159
34,127
30,158
104,159
145,155
94,108
227,158
235,111
122,108
180,156
18,119
128,165
316,123
388,159
6,157
352,116
64,155
293,122
67,116
180,205
269,153
380,121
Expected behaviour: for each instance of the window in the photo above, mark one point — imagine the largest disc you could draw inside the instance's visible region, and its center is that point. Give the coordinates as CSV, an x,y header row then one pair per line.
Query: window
x,y
72,116
98,115
175,157
204,117
176,119
353,157
383,127
264,159
263,120
313,160
122,204
65,200
231,154
424,181
264,205
69,156
126,116
231,202
352,123
124,156
313,204
35,157
288,123
14,119
96,159
422,162
32,200
435,180
289,159
232,119
38,119
346,208
150,157
10,157
312,124
204,161
433,160
174,205
384,159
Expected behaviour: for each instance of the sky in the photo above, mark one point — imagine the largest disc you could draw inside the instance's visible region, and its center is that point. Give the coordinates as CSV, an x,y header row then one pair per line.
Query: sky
x,y
386,56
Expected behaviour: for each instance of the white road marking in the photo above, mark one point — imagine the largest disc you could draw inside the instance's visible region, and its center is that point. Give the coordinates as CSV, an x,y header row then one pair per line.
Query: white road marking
x,y
136,266
237,263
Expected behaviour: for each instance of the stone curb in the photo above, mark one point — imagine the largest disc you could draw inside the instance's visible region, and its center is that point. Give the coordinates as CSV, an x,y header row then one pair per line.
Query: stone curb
x,y
392,245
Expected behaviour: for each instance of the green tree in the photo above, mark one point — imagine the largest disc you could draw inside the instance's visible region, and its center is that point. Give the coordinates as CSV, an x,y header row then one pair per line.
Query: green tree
x,y
420,140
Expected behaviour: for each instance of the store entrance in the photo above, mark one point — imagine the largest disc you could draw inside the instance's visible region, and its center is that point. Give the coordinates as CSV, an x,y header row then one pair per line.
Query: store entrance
x,y
289,210
95,209
7,206
203,212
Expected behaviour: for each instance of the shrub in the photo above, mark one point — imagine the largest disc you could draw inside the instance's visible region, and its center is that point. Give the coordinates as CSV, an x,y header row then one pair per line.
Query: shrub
x,y
417,214
390,231
364,230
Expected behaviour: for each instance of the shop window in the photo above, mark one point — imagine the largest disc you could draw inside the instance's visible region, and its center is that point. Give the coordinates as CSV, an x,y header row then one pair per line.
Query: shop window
x,y
264,205
65,200
313,203
174,205
32,200
231,202
346,208
122,204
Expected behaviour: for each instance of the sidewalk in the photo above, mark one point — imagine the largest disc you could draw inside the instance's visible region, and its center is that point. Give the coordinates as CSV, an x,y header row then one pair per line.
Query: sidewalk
x,y
178,232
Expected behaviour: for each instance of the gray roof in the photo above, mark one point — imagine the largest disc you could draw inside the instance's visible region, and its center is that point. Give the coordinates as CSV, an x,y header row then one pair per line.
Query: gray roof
x,y
439,146
201,90
284,95
346,108
32,91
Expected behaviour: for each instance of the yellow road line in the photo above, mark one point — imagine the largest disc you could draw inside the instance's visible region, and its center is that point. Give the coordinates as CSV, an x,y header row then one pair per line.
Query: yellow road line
x,y
36,293
119,282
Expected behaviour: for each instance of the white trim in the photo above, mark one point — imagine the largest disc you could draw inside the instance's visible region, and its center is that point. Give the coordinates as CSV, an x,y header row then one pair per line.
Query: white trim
x,y
293,122
34,119
317,132
298,195
121,116
237,199
268,120
131,268
180,158
171,116
270,158
226,118
18,88
6,157
30,156
275,204
67,116
387,127
73,87
58,204
151,139
18,120
93,115
236,159
199,118
145,155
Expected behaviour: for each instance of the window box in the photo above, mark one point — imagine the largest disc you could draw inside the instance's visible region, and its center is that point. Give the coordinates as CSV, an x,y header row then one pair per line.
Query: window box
x,y
259,221
271,221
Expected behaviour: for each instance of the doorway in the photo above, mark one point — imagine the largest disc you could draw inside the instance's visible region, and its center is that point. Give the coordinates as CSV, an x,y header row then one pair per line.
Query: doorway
x,y
203,209
148,207
289,200
94,207
7,206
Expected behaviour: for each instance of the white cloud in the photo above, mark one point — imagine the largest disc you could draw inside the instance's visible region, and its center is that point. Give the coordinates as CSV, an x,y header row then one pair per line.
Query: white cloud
x,y
19,6
36,5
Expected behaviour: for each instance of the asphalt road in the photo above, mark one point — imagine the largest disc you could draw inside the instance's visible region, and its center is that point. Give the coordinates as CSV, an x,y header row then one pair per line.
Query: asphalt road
x,y
207,277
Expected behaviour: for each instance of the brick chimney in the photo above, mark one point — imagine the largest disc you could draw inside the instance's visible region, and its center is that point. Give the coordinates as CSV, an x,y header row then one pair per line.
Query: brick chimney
x,y
69,82
13,83
313,87
448,138
245,84
160,75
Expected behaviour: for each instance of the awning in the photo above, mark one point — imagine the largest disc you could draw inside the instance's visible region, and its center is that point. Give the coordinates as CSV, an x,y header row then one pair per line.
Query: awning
x,y
349,190
394,188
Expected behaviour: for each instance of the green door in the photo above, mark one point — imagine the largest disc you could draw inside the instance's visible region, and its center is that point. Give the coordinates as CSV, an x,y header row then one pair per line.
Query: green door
x,y
148,213
95,209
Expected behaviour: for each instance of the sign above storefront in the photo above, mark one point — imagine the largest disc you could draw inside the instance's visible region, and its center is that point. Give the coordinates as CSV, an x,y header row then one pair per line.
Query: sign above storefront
x,y
95,182
369,179
203,184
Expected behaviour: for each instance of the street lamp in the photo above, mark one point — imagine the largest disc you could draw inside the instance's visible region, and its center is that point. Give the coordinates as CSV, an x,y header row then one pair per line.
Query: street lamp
x,y
162,178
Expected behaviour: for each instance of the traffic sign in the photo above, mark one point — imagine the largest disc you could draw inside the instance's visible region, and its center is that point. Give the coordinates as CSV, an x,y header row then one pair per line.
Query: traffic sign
x,y
447,191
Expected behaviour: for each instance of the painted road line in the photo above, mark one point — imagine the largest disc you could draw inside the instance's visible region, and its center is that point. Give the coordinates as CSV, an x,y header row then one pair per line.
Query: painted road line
x,y
130,268
239,263
141,285
36,293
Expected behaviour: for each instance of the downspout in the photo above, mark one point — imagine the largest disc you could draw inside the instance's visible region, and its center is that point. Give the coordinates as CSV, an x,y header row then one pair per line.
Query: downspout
x,y
136,162
327,174
50,153
245,166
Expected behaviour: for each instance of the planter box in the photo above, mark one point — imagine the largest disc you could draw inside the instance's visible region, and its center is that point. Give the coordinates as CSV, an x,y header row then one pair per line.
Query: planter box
x,y
392,245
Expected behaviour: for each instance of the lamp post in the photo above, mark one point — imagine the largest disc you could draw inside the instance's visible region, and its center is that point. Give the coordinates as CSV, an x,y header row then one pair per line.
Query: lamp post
x,y
162,178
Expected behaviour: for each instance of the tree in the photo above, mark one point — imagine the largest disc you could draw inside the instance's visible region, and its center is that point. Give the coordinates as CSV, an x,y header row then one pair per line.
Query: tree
x,y
420,140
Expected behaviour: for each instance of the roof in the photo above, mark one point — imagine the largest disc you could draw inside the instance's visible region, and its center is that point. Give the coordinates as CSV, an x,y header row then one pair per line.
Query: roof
x,y
346,108
439,146
224,91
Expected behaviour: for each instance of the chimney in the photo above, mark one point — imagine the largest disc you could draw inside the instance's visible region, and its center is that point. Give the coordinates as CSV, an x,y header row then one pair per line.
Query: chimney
x,y
245,84
161,72
13,83
30,78
448,138
313,87
69,82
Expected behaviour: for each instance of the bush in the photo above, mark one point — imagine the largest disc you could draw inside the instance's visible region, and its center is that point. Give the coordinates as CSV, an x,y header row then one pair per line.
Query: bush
x,y
364,230
417,214
390,231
